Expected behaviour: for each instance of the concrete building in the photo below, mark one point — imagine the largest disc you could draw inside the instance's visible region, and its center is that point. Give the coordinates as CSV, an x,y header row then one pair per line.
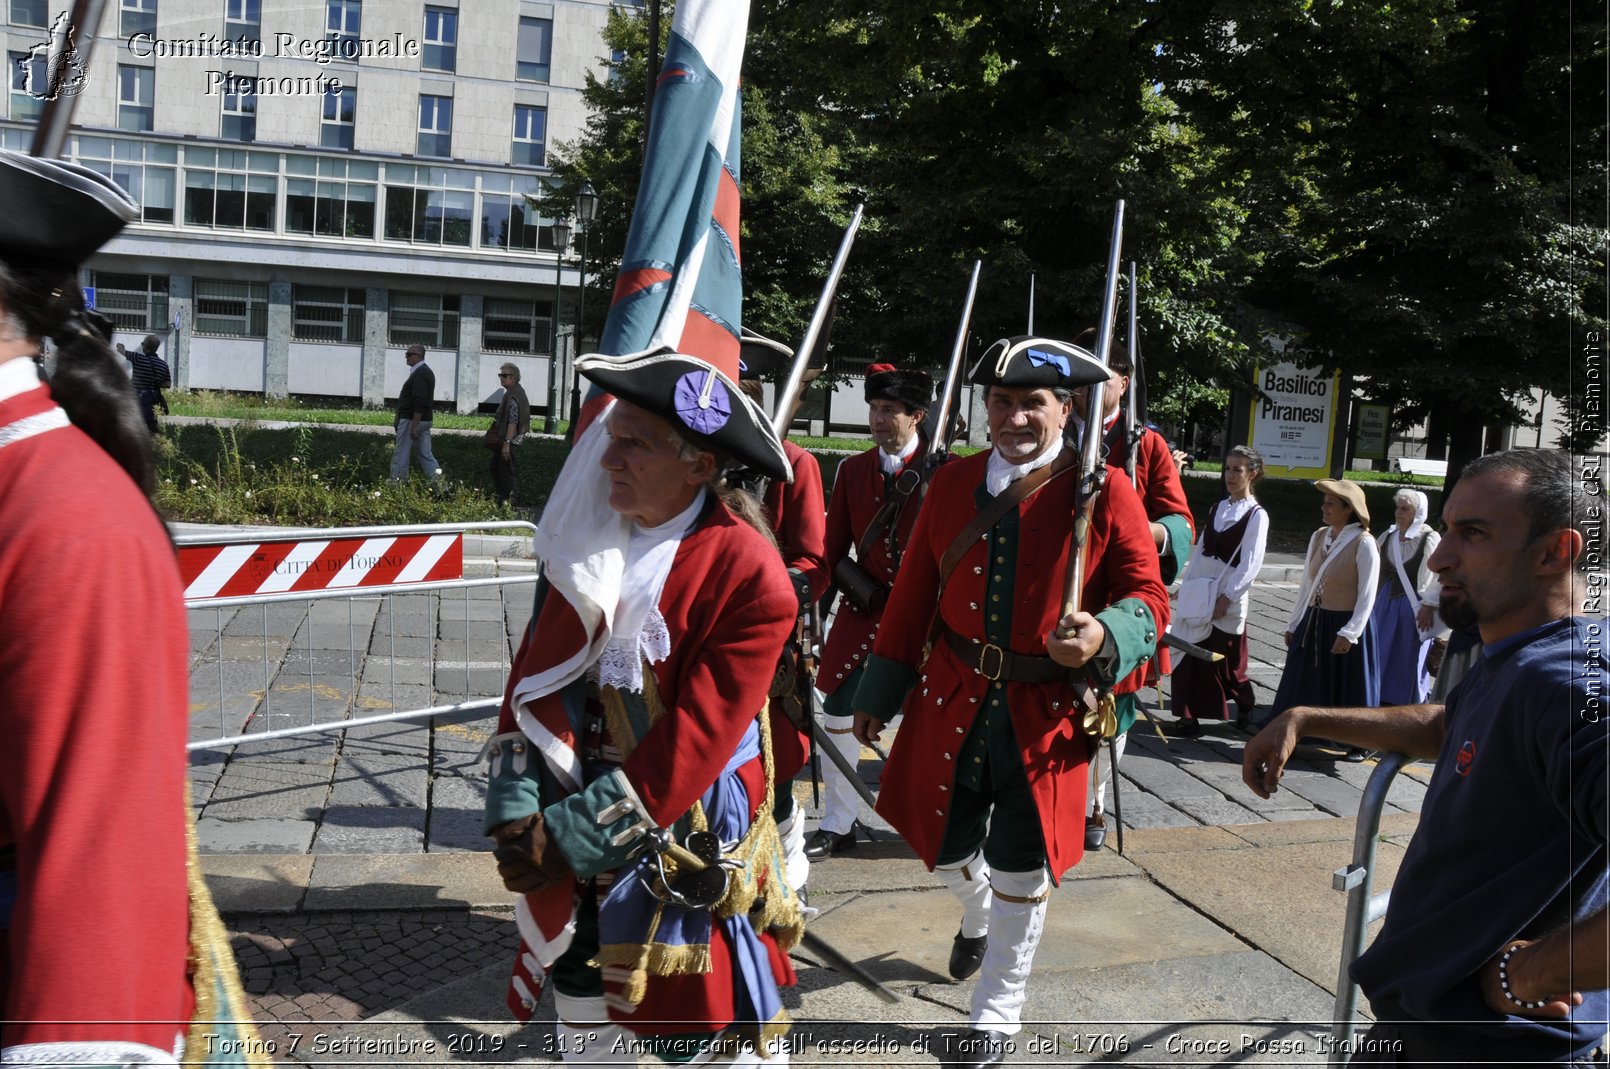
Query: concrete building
x,y
324,182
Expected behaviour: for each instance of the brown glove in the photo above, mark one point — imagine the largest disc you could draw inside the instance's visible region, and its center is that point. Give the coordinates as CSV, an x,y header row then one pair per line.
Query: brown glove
x,y
1434,656
527,859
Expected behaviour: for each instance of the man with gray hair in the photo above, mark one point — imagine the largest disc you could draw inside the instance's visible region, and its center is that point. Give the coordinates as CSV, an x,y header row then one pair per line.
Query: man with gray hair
x,y
1495,944
413,418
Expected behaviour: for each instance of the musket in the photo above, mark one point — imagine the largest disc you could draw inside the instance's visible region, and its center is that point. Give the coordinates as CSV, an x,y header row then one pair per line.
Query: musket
x,y
939,439
70,45
796,376
1191,649
1031,305
1133,437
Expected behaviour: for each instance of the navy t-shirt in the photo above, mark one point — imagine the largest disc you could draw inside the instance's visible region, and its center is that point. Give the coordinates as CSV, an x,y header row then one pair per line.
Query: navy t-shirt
x,y
1511,844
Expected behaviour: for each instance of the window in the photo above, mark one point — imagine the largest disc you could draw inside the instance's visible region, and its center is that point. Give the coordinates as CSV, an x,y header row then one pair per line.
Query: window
x,y
138,16
147,171
136,95
239,121
428,319
243,21
441,39
30,13
435,125
221,191
29,71
508,219
429,205
518,326
530,136
340,118
343,23
533,50
232,309
327,313
330,197
133,302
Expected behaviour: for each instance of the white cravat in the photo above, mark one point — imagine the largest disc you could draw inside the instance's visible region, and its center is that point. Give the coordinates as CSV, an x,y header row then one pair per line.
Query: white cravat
x,y
891,463
1000,473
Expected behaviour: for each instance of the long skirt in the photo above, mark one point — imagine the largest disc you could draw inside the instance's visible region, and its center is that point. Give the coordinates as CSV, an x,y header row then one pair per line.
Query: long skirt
x,y
1400,655
1201,690
1315,676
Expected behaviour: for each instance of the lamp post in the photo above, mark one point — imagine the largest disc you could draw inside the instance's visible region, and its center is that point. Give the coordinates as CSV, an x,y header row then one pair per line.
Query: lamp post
x,y
561,238
586,212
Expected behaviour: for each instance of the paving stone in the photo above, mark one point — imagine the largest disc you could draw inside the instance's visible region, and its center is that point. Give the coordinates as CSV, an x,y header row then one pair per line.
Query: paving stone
x,y
379,781
266,835
348,829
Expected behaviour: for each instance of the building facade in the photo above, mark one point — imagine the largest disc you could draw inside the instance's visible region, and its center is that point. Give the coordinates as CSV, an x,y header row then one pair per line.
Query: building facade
x,y
325,182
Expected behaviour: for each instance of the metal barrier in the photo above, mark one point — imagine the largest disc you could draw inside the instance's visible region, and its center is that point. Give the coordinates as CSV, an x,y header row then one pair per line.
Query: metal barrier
x,y
1363,907
364,571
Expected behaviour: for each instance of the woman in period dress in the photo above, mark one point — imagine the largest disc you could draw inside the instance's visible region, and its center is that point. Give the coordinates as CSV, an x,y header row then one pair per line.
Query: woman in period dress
x,y
1228,556
1329,656
1404,620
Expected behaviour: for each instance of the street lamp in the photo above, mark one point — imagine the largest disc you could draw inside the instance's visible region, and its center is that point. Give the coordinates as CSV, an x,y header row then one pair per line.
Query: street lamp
x,y
561,238
586,212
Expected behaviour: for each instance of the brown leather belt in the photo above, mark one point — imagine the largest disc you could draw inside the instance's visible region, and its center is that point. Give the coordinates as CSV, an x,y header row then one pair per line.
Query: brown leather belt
x,y
994,662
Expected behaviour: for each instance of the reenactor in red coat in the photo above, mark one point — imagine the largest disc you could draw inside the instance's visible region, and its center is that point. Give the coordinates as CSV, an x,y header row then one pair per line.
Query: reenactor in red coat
x,y
990,673
876,495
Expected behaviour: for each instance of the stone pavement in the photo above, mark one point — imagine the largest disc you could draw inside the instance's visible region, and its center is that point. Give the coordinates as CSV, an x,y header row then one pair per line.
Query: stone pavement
x,y
370,925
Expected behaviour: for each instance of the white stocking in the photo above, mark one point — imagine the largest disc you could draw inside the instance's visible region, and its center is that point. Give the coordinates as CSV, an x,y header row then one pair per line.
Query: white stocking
x,y
1101,775
1016,919
584,1033
840,802
969,881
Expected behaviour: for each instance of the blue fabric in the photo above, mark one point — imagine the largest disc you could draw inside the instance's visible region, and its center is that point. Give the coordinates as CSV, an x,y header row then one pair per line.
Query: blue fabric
x,y
1400,655
1511,844
1315,676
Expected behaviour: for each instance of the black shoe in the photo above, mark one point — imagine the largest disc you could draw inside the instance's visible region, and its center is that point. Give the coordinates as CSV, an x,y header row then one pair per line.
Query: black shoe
x,y
1354,755
967,954
1095,832
827,844
975,1049
1183,729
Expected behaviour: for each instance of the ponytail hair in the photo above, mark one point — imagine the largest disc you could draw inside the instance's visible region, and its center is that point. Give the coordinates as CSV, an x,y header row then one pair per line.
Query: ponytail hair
x,y
89,382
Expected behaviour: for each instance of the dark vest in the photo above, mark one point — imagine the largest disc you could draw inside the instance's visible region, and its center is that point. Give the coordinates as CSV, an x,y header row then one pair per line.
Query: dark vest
x,y
1411,567
1222,545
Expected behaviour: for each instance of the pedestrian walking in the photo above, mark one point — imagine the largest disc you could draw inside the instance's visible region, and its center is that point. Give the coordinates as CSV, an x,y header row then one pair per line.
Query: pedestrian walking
x,y
509,427
149,376
414,407
1404,620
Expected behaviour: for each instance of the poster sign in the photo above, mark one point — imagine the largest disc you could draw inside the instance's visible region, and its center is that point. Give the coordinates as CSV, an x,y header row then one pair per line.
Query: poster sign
x,y
1292,417
1374,425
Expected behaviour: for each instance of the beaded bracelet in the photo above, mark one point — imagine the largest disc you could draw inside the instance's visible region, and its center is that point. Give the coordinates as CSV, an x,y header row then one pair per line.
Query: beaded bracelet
x,y
1503,981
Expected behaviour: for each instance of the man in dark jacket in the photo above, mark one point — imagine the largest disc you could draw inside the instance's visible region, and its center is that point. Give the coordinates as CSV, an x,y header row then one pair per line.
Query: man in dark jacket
x,y
413,417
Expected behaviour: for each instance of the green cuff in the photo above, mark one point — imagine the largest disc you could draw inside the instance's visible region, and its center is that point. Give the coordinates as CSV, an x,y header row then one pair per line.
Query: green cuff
x,y
884,686
512,788
1178,551
1126,712
600,827
1130,625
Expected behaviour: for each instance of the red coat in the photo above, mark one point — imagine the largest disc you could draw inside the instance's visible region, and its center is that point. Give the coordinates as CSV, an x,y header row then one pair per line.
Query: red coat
x,y
1157,481
858,494
939,710
94,710
797,518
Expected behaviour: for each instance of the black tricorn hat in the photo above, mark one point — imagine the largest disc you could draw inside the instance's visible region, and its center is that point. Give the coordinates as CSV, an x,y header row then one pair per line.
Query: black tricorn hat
x,y
885,382
57,213
1034,363
701,402
761,358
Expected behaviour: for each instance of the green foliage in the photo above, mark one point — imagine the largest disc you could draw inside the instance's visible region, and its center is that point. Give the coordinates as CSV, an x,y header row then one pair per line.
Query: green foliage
x,y
221,404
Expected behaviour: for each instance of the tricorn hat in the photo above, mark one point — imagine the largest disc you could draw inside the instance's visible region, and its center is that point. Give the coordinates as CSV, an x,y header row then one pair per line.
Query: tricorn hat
x,y
1034,363
761,358
57,213
1351,493
700,401
885,382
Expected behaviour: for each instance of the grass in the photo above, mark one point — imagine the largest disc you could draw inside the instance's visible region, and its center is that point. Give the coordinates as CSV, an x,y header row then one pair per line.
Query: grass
x,y
218,404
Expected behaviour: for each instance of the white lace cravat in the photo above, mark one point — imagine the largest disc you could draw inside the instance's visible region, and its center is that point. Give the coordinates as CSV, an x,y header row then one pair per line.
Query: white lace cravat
x,y
640,631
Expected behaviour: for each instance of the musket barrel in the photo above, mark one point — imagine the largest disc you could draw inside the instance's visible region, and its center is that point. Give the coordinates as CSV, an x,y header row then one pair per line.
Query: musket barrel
x,y
1132,438
796,376
938,441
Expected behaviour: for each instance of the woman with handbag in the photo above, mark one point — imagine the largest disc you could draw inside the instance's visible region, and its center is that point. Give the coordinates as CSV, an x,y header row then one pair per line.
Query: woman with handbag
x,y
1405,615
1330,658
1212,606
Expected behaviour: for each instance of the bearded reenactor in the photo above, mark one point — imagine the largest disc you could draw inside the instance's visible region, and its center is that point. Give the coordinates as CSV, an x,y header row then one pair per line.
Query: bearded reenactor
x,y
876,495
994,677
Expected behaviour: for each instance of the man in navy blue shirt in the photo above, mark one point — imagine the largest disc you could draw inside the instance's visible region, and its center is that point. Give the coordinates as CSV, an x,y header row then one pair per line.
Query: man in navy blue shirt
x,y
1495,944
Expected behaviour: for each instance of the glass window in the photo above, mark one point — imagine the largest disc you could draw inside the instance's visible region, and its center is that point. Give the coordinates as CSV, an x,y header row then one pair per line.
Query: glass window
x,y
533,50
330,197
530,136
429,319
518,326
343,25
136,97
30,13
239,121
327,313
219,193
430,205
340,118
509,218
29,74
441,39
232,309
133,302
243,21
137,16
435,125
147,172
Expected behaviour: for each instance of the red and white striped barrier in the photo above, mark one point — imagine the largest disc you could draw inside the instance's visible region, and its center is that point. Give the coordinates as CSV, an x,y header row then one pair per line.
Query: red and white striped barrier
x,y
292,565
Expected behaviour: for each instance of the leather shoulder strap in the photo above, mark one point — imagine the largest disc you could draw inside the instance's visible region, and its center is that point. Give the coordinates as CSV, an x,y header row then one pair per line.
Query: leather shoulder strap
x,y
1003,503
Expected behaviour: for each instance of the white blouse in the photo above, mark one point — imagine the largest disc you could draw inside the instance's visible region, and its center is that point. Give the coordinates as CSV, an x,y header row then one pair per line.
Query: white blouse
x,y
1367,560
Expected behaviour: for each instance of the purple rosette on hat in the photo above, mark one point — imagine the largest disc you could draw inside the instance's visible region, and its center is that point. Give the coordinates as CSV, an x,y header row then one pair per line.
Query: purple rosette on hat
x,y
702,402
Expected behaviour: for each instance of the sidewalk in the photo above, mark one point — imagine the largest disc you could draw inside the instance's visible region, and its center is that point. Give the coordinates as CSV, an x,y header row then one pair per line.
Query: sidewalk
x,y
370,922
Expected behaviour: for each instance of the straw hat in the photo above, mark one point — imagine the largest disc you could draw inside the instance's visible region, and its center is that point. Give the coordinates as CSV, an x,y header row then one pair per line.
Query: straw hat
x,y
1348,492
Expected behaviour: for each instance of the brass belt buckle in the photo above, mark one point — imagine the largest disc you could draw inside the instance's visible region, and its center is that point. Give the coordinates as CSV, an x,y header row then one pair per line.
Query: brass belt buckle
x,y
1000,662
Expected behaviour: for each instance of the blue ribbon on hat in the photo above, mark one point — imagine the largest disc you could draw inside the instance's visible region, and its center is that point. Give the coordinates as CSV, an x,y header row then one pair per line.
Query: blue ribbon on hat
x,y
1040,358
702,402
